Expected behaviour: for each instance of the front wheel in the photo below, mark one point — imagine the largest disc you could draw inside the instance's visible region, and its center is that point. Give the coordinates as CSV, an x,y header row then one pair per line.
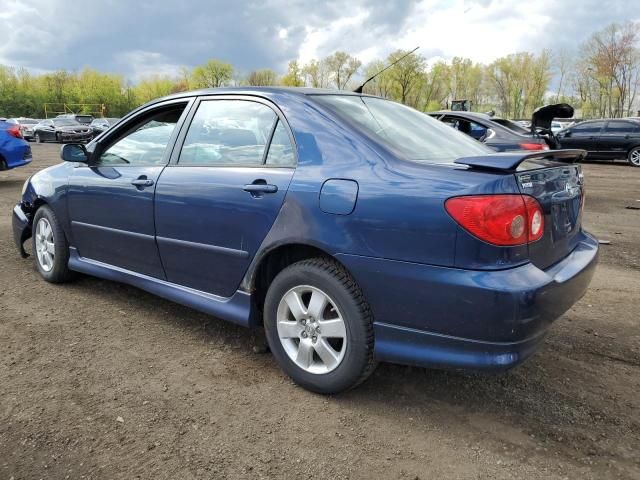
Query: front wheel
x,y
319,326
634,157
50,247
38,138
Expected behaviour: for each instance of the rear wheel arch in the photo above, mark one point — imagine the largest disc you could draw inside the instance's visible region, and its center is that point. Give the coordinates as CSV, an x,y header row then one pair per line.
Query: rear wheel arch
x,y
271,263
635,160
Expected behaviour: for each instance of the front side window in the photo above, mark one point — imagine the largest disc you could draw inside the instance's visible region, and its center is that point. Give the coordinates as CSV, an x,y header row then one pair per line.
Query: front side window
x,y
587,129
146,141
228,132
412,135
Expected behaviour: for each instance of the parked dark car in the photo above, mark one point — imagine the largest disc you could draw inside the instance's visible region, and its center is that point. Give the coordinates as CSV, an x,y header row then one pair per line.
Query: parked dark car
x,y
84,119
100,125
351,228
482,127
605,139
61,130
14,150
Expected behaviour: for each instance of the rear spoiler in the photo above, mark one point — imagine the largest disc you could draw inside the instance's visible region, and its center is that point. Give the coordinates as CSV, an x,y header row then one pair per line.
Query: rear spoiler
x,y
509,161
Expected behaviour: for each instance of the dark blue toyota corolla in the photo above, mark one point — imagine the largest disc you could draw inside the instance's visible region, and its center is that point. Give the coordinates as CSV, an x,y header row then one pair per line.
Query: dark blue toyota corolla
x,y
352,228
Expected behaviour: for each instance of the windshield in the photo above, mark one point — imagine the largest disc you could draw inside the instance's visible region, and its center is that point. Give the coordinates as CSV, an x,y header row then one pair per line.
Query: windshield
x,y
64,122
411,134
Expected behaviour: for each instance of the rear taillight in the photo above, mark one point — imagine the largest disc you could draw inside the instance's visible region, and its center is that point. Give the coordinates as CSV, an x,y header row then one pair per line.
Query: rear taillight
x,y
503,220
534,146
14,131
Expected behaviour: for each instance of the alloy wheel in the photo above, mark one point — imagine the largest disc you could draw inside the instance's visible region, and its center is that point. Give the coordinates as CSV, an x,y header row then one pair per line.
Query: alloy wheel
x,y
45,247
311,329
634,157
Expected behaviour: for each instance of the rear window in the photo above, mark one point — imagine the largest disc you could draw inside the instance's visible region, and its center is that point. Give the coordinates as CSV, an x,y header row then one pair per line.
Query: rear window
x,y
410,134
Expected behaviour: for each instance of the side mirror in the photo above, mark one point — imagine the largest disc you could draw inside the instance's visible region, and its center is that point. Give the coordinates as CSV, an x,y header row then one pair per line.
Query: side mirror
x,y
74,152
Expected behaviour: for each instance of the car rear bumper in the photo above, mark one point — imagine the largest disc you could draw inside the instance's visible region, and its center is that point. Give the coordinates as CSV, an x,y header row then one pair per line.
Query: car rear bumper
x,y
487,320
21,228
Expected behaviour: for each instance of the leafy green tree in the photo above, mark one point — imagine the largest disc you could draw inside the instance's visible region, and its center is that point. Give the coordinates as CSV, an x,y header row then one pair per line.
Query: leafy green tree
x,y
293,77
341,67
212,74
265,77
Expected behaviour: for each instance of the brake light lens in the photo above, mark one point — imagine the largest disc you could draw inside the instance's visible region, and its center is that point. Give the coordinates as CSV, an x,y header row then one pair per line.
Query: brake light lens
x,y
534,146
504,220
14,131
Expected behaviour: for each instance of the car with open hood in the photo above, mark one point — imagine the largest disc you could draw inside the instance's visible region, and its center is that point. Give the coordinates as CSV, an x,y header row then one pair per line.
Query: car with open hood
x,y
351,228
61,130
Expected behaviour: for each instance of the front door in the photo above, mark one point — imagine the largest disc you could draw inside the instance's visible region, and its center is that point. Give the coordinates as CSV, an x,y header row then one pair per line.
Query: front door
x,y
111,199
584,136
222,192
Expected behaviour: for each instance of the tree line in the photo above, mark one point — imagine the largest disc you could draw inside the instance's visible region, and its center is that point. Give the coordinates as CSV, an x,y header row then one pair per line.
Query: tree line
x,y
600,78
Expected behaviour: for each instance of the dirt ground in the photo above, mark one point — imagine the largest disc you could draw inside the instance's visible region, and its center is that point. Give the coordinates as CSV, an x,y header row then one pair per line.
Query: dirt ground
x,y
100,380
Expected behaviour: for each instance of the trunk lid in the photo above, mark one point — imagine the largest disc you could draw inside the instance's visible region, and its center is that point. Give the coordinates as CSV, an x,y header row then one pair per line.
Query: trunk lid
x,y
557,184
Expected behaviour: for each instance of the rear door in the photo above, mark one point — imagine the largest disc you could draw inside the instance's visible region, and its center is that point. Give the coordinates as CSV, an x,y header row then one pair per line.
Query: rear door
x,y
110,200
223,190
584,136
618,137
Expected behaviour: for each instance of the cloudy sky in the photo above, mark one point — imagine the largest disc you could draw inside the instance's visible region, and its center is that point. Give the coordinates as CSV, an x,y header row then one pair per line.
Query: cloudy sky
x,y
145,37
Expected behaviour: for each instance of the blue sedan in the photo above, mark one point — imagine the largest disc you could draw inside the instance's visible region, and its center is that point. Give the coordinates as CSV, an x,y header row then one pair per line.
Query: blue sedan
x,y
351,228
14,150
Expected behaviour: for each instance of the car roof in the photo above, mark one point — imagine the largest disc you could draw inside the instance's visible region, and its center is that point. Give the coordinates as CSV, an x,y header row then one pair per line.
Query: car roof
x,y
469,115
302,91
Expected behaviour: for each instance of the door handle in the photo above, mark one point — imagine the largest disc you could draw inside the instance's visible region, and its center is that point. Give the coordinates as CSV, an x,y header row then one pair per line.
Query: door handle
x,y
260,186
142,182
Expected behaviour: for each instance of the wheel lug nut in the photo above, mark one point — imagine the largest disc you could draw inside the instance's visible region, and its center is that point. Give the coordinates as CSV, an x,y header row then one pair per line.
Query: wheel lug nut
x,y
314,339
304,335
303,321
317,329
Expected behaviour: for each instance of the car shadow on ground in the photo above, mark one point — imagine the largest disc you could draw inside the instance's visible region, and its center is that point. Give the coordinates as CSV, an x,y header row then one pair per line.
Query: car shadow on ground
x,y
536,398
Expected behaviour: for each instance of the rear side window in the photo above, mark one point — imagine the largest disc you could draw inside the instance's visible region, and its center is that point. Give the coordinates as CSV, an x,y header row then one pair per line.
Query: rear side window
x,y
410,134
620,128
228,132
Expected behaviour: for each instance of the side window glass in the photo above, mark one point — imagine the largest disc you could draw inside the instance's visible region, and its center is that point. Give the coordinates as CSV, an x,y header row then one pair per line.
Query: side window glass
x,y
228,132
619,128
280,150
146,143
588,129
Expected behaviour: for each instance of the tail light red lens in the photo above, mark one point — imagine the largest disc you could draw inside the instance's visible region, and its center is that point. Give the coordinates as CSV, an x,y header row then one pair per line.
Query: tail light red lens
x,y
503,220
534,146
14,131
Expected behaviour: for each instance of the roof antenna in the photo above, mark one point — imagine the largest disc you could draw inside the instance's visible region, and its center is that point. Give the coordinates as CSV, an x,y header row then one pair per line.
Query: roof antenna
x,y
359,89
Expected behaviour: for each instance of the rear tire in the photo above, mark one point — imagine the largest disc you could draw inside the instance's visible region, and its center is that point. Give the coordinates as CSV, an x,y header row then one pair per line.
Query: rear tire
x,y
325,345
634,157
38,139
50,247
